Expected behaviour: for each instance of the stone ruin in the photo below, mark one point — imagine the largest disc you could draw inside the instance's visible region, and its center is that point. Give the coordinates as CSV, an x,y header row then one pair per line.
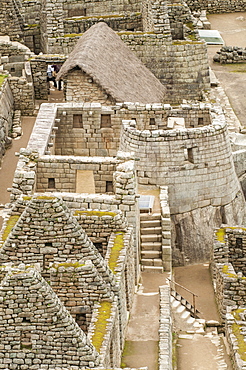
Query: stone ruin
x,y
70,247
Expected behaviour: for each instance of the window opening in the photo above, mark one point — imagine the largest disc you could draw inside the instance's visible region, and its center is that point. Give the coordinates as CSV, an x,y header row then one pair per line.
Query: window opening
x,y
152,121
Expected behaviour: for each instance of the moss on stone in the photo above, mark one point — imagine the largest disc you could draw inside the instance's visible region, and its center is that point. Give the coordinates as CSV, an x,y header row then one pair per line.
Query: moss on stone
x,y
9,226
115,251
220,235
67,264
2,78
236,330
104,313
94,213
229,274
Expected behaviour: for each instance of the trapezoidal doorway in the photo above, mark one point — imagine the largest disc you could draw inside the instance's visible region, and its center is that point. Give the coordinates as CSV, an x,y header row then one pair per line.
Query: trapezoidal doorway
x,y
85,182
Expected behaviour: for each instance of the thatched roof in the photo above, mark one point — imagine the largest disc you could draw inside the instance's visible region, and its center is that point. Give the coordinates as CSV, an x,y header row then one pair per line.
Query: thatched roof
x,y
112,65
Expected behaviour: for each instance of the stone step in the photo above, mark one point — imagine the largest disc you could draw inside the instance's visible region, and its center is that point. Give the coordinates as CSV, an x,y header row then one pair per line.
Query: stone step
x,y
150,223
150,254
151,246
151,261
150,230
147,217
156,269
185,315
151,238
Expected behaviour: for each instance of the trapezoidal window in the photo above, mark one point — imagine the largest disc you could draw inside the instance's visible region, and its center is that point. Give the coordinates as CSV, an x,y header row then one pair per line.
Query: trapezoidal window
x,y
152,121
51,183
188,154
200,121
105,120
239,243
109,187
77,121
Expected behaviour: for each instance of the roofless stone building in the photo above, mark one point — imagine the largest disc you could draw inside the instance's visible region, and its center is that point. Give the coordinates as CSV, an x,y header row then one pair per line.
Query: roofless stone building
x,y
71,245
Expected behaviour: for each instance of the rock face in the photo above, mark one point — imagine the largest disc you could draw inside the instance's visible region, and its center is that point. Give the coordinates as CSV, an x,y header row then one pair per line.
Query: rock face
x,y
6,116
192,232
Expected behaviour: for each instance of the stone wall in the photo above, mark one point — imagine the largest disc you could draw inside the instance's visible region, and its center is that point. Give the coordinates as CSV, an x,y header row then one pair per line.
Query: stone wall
x,y
39,66
6,114
80,87
230,247
235,334
23,92
185,161
131,22
45,333
165,330
166,229
87,136
217,6
230,54
64,170
170,63
11,22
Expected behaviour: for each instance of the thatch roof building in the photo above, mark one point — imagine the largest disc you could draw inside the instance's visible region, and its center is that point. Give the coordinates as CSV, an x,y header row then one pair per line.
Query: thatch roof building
x,y
103,57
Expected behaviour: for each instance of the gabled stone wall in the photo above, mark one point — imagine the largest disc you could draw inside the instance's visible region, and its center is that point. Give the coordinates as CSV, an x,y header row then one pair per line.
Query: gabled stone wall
x,y
42,331
80,87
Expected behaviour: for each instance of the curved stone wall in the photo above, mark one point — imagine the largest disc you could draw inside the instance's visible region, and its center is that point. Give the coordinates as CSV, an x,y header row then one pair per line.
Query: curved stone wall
x,y
196,164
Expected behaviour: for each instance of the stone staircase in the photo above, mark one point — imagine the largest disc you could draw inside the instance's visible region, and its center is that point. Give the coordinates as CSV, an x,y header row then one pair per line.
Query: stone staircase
x,y
183,318
151,242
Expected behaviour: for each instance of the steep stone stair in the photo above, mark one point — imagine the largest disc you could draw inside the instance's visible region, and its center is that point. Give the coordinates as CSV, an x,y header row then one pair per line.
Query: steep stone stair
x,y
184,317
151,242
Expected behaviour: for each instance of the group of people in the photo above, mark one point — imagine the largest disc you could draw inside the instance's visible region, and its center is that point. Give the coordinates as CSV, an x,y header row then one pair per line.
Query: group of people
x,y
52,71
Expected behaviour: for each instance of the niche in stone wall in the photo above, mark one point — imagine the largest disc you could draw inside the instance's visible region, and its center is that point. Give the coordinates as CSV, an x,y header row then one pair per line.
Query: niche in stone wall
x,y
105,120
77,121
109,187
77,12
51,183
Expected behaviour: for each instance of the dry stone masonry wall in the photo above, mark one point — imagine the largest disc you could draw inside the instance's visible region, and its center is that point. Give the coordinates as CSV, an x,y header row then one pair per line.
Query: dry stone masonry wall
x,y
230,54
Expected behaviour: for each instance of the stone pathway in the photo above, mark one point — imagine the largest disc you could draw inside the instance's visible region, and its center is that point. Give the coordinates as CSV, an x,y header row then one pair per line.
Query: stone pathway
x,y
142,338
196,351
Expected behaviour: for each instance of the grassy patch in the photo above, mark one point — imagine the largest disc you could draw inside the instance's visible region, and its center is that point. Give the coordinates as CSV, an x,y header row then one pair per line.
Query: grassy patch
x,y
104,313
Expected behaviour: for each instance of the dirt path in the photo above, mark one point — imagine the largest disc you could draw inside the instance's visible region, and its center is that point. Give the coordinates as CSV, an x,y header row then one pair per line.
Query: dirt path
x,y
232,77
196,351
142,338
